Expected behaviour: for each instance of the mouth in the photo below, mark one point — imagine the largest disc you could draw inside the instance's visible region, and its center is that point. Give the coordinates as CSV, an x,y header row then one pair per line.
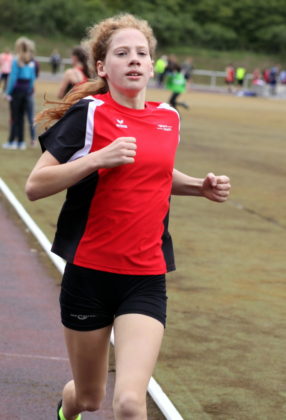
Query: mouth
x,y
133,73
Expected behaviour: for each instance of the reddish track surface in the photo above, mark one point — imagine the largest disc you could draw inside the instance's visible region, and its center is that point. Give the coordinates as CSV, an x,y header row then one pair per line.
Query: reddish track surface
x,y
33,359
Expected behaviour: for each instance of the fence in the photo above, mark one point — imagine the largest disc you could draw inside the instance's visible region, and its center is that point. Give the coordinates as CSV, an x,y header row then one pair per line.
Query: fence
x,y
209,79
212,79
216,78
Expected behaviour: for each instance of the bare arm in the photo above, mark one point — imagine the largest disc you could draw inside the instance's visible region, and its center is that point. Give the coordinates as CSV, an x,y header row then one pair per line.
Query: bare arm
x,y
186,185
50,177
215,188
64,84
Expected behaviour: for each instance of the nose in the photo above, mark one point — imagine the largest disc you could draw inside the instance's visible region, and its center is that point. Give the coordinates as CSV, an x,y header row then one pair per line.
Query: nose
x,y
134,58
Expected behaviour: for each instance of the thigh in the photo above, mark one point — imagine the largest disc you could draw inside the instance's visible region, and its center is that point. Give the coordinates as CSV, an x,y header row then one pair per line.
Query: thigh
x,y
30,108
137,344
14,107
88,325
86,299
145,295
19,106
88,353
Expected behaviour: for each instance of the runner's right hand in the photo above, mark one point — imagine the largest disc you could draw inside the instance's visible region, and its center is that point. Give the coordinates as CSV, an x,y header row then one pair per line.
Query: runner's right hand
x,y
120,152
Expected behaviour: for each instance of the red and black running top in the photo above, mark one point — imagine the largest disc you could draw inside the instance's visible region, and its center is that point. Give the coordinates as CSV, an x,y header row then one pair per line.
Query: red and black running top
x,y
116,219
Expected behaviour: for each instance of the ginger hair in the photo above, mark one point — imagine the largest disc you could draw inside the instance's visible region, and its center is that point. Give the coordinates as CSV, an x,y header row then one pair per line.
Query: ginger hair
x,y
96,44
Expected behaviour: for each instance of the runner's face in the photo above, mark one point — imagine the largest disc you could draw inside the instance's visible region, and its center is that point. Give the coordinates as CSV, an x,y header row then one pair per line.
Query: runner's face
x,y
128,65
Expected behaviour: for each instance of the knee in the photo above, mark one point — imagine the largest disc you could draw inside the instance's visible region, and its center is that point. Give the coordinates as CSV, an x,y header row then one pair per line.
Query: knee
x,y
128,405
91,402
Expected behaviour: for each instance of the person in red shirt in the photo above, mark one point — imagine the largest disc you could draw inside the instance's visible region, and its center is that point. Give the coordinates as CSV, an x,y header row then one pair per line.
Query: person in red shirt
x,y
114,153
230,77
6,59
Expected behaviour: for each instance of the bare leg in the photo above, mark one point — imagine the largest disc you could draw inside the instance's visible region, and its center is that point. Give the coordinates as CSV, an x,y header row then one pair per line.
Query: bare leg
x,y
137,343
88,354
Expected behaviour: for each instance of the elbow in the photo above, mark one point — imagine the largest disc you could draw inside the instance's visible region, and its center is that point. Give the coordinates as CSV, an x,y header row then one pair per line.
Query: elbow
x,y
31,191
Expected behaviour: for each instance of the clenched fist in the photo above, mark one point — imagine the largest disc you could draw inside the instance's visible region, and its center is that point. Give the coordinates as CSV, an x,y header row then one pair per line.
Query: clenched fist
x,y
120,152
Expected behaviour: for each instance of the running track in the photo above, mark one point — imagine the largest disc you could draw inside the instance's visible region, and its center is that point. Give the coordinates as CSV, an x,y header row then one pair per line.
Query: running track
x,y
33,359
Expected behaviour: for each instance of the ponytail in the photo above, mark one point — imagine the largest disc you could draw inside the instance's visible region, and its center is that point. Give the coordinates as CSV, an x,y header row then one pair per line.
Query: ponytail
x,y
96,45
48,115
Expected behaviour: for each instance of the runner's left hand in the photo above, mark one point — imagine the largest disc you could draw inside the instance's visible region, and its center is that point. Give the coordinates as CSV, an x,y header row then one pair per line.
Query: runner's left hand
x,y
216,188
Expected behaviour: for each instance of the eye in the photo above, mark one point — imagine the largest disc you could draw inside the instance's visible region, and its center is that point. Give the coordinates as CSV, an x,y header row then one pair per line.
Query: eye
x,y
121,53
142,53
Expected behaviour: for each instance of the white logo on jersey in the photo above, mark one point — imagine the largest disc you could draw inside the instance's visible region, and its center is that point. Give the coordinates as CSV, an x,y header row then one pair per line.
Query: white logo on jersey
x,y
83,317
164,127
120,124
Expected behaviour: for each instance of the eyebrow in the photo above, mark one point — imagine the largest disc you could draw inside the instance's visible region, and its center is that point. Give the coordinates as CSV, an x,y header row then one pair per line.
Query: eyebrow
x,y
128,47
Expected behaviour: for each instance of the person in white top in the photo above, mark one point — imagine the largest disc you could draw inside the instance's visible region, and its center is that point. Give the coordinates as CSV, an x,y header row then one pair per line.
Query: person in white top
x,y
6,59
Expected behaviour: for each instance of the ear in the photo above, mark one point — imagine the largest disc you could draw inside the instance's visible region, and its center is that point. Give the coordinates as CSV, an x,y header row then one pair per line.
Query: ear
x,y
152,69
100,67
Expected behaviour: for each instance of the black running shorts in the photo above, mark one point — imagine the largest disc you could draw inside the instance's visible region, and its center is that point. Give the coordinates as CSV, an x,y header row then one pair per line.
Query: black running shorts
x,y
91,299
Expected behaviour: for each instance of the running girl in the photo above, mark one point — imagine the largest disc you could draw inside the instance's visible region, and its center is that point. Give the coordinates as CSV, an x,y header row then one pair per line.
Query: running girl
x,y
114,153
79,73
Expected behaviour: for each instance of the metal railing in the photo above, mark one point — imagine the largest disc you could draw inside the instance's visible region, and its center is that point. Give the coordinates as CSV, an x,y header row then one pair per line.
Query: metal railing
x,y
210,79
211,75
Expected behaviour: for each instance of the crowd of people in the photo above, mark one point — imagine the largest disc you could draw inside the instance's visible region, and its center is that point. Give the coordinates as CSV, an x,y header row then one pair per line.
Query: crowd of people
x,y
167,69
267,77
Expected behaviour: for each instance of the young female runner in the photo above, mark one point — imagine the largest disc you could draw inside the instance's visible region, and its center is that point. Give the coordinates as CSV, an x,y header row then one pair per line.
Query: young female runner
x,y
114,153
79,73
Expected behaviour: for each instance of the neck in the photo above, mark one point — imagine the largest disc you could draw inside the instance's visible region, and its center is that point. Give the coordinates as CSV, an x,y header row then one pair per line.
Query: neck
x,y
135,100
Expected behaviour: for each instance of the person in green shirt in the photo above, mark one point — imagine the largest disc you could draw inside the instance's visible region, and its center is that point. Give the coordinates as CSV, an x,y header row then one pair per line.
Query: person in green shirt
x,y
159,68
240,75
176,83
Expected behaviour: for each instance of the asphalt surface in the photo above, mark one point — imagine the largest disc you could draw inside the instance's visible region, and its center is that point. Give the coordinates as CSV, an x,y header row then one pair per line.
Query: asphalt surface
x,y
33,360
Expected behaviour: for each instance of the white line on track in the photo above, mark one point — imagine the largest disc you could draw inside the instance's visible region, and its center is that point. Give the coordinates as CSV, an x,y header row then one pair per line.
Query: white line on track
x,y
160,398
34,356
268,219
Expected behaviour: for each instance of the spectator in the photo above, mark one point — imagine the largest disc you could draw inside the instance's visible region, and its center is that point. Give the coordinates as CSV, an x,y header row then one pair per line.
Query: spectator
x,y
159,69
273,79
187,69
230,77
265,75
240,76
55,60
257,79
19,92
257,82
282,77
6,59
171,63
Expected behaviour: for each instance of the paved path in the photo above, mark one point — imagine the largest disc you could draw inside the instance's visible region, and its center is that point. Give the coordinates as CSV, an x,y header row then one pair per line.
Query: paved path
x,y
33,360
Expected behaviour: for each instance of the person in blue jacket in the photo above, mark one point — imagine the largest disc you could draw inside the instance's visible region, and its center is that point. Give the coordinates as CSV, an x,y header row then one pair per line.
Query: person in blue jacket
x,y
19,92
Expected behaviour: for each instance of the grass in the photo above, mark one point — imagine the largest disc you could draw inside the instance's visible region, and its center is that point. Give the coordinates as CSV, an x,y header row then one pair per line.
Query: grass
x,y
202,58
217,60
44,45
223,355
